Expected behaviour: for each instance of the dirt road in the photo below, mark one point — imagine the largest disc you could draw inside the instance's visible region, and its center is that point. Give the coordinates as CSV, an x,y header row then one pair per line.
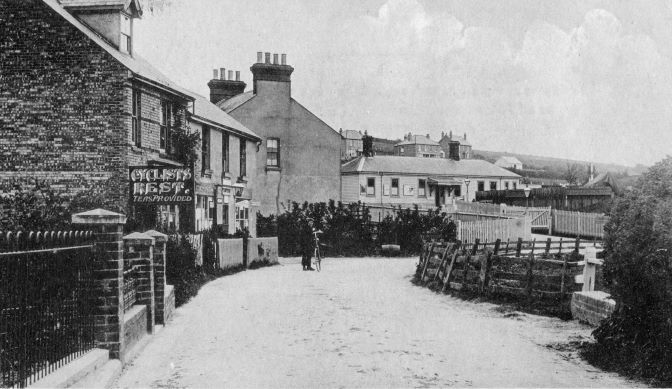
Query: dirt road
x,y
358,323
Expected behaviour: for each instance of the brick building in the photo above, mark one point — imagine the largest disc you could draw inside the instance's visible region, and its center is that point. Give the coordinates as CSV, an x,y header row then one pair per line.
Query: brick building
x,y
353,145
78,106
463,145
299,156
418,146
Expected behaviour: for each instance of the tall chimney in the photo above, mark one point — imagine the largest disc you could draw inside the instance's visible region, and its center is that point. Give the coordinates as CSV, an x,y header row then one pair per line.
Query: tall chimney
x,y
214,74
273,75
222,89
454,150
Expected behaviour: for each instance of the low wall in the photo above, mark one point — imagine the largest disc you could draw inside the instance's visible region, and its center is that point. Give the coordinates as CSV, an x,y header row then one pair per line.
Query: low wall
x,y
231,252
592,307
262,250
135,327
168,303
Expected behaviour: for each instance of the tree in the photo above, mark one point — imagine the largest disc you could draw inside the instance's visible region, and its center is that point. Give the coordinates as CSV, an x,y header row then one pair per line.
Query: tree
x,y
572,175
638,272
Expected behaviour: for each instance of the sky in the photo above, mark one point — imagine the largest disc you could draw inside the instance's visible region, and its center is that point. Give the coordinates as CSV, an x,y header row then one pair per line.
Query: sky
x,y
579,79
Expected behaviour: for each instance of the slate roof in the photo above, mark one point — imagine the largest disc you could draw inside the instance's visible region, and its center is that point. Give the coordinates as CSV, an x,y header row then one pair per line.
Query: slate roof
x,y
418,140
236,101
428,166
205,110
138,66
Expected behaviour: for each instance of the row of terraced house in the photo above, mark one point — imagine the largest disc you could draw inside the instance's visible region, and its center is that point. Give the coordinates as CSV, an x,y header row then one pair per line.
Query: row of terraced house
x,y
80,110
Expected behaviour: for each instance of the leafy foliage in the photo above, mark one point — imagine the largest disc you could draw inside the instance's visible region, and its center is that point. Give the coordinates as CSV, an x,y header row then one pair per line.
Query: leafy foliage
x,y
348,229
638,272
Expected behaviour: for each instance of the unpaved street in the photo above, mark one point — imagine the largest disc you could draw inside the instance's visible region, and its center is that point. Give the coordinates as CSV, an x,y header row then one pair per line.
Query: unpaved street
x,y
358,323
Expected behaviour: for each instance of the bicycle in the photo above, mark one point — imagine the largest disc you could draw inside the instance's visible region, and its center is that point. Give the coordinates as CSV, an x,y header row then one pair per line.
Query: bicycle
x,y
316,254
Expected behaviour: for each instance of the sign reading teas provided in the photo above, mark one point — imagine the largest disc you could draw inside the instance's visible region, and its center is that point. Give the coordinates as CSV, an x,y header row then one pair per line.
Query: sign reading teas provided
x,y
161,185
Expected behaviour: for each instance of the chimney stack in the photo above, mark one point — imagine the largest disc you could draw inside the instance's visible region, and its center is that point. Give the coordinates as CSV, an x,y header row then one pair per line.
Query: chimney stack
x,y
465,136
260,57
454,150
428,136
222,89
276,71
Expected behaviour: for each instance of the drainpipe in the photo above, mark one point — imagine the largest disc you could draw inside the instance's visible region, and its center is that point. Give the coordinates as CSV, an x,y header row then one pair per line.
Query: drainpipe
x,y
381,188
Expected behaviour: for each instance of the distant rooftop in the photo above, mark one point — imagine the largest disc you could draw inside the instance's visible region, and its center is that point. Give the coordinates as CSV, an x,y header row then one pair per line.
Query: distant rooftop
x,y
432,166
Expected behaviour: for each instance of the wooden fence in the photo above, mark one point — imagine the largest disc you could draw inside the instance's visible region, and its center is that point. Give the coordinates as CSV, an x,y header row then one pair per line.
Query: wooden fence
x,y
540,217
491,230
587,225
496,268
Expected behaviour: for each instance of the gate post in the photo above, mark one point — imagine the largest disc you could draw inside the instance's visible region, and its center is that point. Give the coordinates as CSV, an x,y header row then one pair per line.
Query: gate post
x,y
159,274
108,270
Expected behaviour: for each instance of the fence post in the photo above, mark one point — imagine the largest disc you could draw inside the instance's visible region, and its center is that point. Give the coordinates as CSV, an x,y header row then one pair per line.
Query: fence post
x,y
143,246
589,269
160,241
109,265
530,273
519,247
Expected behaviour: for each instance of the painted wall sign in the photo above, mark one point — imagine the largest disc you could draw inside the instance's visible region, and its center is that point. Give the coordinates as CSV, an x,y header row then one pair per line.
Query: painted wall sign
x,y
161,185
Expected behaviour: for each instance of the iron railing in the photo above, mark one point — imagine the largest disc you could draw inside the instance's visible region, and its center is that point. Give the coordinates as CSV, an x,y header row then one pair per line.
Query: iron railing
x,y
47,302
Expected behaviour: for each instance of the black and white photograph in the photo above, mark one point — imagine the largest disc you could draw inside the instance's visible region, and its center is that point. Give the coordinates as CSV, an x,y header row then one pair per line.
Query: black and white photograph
x,y
335,194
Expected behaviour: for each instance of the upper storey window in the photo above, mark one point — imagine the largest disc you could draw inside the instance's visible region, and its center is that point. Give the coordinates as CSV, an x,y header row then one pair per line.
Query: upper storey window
x,y
125,43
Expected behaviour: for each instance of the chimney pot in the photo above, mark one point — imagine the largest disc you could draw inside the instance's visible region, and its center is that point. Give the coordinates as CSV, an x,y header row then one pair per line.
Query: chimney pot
x,y
451,135
260,57
268,58
427,136
283,59
215,74
465,136
275,59
237,75
222,73
230,75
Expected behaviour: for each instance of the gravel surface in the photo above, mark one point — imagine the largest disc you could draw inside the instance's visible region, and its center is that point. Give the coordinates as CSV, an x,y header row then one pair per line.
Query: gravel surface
x,y
358,323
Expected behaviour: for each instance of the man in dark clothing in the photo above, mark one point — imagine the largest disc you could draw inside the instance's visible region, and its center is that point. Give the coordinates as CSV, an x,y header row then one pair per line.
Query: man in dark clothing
x,y
307,244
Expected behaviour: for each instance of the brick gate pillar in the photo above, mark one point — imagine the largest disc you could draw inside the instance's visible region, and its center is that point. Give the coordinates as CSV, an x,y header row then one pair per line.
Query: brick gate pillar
x,y
140,252
159,274
109,265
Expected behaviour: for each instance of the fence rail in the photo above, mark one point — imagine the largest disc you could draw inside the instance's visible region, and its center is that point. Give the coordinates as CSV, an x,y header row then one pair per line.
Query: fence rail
x,y
588,225
47,304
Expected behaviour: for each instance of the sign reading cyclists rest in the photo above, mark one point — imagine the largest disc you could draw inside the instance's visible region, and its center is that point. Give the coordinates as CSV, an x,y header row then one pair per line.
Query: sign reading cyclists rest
x,y
161,185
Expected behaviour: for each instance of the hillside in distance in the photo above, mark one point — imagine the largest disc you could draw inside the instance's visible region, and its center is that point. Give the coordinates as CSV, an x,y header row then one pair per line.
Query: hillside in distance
x,y
559,164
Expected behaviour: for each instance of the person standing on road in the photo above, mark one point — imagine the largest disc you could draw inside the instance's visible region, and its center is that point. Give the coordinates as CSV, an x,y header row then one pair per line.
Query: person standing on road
x,y
307,243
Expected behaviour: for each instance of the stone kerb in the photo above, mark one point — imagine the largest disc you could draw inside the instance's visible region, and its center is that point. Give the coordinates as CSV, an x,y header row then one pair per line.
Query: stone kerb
x,y
109,265
140,251
159,275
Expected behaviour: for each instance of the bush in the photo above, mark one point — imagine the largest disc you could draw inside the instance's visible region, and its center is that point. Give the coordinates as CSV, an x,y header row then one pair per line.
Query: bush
x,y
637,339
181,269
348,230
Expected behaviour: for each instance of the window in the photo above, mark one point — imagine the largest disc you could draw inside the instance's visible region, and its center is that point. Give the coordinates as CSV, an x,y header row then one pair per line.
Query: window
x,y
242,217
401,150
395,187
273,152
225,153
137,118
481,186
243,158
456,190
421,188
205,212
125,44
515,185
205,150
506,185
166,129
371,186
493,185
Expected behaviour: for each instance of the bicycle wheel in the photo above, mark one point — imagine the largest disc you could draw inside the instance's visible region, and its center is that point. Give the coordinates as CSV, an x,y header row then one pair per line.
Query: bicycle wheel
x,y
318,260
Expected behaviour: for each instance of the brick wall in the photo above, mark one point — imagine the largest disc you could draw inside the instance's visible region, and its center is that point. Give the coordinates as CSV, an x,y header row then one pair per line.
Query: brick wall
x,y
65,107
592,307
61,98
